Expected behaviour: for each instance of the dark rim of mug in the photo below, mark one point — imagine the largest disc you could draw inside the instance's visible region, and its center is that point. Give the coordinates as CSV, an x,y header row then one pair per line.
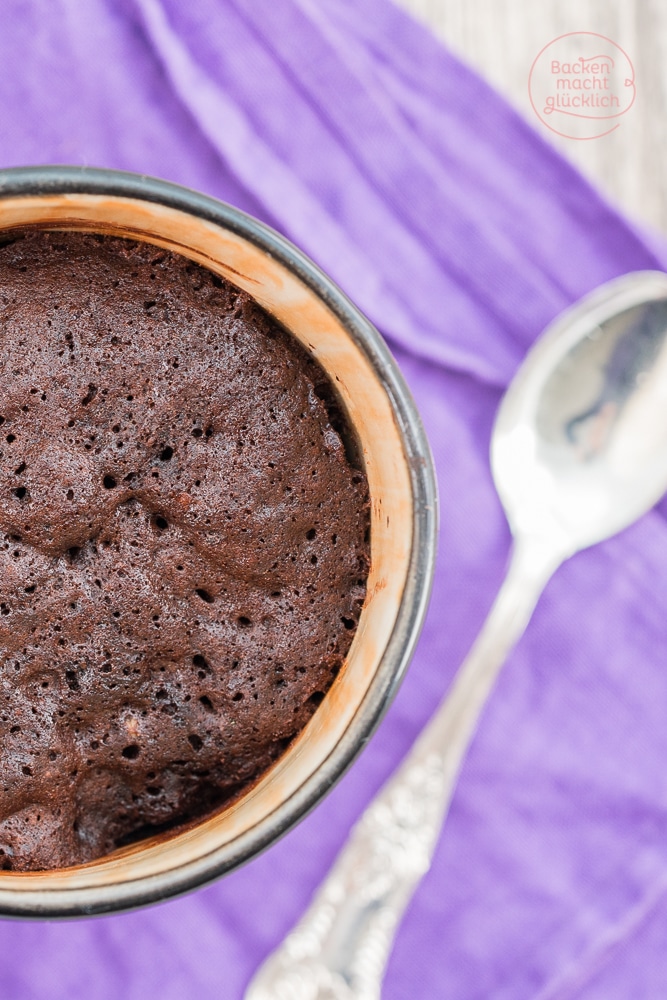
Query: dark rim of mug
x,y
53,180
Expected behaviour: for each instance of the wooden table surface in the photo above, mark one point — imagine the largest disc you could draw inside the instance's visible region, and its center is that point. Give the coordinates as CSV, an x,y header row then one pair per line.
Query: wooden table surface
x,y
501,39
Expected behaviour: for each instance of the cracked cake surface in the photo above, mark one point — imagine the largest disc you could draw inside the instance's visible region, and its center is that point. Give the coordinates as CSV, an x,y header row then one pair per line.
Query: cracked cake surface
x,y
183,543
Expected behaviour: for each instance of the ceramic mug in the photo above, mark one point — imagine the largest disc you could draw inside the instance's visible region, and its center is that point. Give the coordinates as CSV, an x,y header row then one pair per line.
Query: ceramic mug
x,y
403,523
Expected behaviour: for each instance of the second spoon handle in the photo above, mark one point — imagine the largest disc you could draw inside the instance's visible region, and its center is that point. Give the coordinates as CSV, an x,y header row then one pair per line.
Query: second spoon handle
x,y
340,947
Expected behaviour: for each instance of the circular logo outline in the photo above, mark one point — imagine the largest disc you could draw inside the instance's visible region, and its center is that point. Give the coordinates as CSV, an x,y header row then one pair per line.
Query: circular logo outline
x,y
628,83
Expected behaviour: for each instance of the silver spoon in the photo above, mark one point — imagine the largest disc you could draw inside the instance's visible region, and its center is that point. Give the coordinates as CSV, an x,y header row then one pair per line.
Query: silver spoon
x,y
579,451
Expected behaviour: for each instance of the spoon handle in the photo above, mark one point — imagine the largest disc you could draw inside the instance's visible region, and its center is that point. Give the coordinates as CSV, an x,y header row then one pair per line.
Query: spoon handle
x,y
340,947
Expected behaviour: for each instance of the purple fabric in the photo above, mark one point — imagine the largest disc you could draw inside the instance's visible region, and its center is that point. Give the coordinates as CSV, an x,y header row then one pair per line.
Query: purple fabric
x,y
348,128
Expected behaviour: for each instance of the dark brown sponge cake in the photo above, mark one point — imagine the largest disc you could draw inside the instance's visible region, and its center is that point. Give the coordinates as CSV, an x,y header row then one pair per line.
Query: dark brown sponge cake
x,y
183,543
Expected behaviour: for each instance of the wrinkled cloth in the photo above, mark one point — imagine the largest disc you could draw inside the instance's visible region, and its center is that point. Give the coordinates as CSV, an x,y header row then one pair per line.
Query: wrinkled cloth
x,y
461,234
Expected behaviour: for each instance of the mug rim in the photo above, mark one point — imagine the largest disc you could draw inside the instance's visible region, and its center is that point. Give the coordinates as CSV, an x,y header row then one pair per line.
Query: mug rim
x,y
67,180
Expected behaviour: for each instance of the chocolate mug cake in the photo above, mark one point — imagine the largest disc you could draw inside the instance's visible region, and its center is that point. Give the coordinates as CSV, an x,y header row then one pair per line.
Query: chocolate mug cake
x,y
184,544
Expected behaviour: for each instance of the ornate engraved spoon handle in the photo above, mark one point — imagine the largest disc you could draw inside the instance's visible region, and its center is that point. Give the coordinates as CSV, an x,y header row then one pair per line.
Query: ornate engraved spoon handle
x,y
340,947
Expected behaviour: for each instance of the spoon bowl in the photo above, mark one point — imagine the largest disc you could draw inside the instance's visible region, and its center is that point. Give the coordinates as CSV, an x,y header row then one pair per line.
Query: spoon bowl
x,y
579,449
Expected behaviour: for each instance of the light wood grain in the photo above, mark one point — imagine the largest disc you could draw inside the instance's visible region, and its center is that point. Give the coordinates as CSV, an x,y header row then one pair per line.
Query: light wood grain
x,y
501,38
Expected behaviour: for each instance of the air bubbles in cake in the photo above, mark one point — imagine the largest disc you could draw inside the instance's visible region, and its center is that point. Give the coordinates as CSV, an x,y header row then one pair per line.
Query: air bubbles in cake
x,y
72,680
90,395
199,661
128,678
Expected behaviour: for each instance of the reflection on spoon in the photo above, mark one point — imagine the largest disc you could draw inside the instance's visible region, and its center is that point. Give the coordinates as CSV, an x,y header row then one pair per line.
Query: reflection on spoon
x,y
628,365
